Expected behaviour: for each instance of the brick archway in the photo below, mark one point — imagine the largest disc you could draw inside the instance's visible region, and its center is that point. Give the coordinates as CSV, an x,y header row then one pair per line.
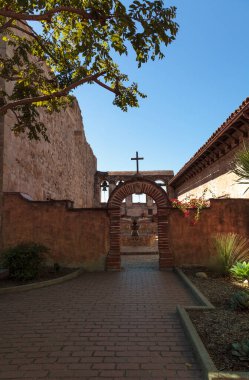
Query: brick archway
x,y
139,185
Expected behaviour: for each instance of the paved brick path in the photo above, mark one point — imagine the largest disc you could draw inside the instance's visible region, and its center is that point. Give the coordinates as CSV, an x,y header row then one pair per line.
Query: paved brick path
x,y
100,325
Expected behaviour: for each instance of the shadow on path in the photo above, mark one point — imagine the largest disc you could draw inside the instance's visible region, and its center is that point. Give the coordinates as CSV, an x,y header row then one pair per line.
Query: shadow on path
x,y
140,262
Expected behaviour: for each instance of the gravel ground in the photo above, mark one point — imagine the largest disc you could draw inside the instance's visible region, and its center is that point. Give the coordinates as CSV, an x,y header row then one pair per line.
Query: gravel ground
x,y
220,327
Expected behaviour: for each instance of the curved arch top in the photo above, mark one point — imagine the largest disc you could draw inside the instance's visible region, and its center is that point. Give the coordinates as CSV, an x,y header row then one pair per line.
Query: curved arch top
x,y
138,185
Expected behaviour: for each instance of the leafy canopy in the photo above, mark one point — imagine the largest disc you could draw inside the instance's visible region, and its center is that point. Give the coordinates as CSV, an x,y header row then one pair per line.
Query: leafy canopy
x,y
240,166
77,42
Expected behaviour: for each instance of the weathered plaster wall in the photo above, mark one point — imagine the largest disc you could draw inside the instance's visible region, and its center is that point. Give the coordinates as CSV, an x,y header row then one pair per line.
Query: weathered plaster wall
x,y
218,178
190,244
76,237
61,169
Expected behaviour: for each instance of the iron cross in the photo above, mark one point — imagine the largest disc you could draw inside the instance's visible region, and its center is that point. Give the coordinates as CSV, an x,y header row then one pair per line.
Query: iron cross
x,y
137,159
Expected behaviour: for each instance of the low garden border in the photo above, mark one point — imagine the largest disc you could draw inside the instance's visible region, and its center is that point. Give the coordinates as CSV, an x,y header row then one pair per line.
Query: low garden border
x,y
41,284
207,364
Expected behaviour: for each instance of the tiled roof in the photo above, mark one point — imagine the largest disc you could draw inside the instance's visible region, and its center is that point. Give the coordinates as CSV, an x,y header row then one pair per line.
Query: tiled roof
x,y
229,121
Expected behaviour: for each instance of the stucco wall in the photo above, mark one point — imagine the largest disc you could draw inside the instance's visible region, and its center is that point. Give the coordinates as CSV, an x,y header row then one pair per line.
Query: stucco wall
x,y
190,244
217,177
76,237
80,237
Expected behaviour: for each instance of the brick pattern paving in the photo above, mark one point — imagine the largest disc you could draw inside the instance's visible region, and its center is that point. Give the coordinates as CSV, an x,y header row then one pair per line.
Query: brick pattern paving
x,y
100,325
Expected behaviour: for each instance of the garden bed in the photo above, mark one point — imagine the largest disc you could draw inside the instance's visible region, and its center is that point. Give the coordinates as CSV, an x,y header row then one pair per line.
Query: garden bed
x,y
221,327
46,274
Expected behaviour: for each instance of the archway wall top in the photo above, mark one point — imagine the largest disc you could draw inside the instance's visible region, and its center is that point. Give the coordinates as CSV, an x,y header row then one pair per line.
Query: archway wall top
x,y
138,185
153,175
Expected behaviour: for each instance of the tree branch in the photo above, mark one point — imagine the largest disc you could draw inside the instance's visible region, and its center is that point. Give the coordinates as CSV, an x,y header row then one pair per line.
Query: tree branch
x,y
46,16
105,86
6,25
56,94
36,37
17,118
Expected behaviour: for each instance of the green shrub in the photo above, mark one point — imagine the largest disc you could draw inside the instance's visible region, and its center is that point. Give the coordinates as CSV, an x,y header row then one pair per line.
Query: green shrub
x,y
228,248
240,300
240,270
241,349
24,260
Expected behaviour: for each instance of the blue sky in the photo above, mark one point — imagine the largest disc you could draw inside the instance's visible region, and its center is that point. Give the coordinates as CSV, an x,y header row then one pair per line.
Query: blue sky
x,y
202,80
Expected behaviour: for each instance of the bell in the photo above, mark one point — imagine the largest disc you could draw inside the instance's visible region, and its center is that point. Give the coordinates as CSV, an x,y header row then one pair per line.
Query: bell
x,y
104,186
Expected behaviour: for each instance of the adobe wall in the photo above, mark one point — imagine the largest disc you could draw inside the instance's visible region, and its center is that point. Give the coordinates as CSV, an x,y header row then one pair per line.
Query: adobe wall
x,y
76,237
190,244
61,169
80,237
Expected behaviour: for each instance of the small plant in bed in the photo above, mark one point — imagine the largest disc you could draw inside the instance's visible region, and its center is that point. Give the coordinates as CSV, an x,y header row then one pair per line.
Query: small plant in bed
x,y
240,270
240,300
241,349
24,261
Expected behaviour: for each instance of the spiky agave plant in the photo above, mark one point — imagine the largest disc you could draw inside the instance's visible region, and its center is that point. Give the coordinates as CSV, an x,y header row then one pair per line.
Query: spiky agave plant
x,y
241,166
228,248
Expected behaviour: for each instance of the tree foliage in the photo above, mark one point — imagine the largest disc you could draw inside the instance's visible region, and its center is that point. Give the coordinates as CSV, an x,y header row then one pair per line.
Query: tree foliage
x,y
240,166
78,41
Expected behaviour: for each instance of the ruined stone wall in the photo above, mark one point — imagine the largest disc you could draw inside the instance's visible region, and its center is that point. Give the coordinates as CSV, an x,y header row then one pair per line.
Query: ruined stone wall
x,y
61,169
218,178
75,237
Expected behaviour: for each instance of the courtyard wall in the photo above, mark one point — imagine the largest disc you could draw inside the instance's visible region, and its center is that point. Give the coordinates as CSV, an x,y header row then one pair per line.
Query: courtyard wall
x,y
80,237
190,244
75,237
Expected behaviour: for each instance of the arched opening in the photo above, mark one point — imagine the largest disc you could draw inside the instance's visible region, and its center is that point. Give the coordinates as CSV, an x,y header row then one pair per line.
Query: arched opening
x,y
104,191
162,184
138,185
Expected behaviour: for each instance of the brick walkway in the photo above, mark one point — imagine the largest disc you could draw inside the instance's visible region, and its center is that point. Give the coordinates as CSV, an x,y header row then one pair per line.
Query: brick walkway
x,y
100,325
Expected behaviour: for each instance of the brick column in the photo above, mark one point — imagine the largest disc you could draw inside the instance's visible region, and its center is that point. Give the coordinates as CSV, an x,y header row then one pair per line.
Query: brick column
x,y
112,186
113,260
166,259
2,85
